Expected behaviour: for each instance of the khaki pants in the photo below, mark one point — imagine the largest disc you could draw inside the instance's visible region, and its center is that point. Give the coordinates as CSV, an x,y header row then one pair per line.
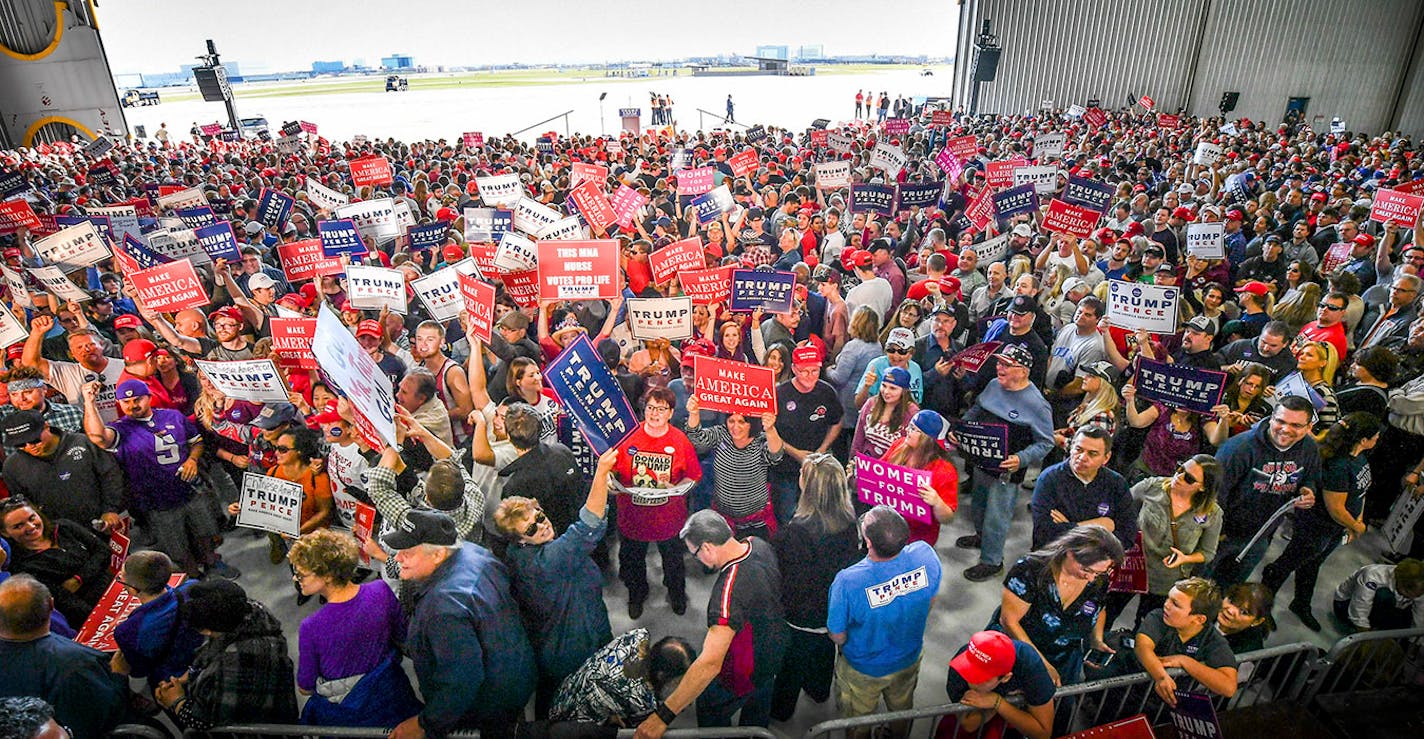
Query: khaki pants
x,y
859,694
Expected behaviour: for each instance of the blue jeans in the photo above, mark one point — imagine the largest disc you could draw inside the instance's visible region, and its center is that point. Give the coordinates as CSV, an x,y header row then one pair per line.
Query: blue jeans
x,y
785,494
1226,571
994,499
716,705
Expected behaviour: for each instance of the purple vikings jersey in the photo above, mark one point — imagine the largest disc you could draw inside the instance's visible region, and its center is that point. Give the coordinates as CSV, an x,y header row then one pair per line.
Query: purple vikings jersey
x,y
151,452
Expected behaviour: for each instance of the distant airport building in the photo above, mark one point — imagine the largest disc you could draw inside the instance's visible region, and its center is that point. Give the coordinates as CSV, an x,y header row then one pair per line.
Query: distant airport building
x,y
328,67
810,52
397,61
772,52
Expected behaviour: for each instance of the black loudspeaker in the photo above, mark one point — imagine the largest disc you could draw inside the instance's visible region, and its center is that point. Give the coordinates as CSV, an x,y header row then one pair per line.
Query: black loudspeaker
x,y
986,64
212,83
1229,100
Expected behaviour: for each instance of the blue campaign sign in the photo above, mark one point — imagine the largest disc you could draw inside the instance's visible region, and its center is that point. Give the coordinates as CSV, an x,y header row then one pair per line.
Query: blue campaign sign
x,y
1088,193
876,198
1180,386
773,292
145,256
755,134
488,225
911,194
710,205
100,222
197,217
219,242
986,444
429,236
1194,716
274,208
340,236
591,394
1015,200
12,183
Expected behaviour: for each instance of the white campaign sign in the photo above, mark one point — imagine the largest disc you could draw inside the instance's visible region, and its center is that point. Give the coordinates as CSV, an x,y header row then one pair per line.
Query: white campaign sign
x,y
1132,306
992,250
515,253
325,197
1207,153
55,281
1206,240
889,158
123,219
1044,179
270,504
353,371
179,244
79,245
19,291
1398,528
253,380
660,318
831,175
183,199
1048,145
439,291
500,190
532,216
11,330
375,219
567,229
374,288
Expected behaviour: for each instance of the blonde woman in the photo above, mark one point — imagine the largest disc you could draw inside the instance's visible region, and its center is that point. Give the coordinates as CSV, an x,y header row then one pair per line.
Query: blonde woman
x,y
1299,307
1317,363
1099,406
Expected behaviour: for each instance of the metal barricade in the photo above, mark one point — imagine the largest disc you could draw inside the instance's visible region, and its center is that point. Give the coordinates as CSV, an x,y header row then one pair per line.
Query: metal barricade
x,y
345,732
1277,674
1371,660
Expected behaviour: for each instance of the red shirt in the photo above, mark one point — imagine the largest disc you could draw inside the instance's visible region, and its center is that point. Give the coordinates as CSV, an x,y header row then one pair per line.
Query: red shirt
x,y
654,462
944,478
1314,332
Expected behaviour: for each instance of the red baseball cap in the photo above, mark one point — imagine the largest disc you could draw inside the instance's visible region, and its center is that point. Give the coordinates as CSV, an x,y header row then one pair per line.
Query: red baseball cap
x,y
128,320
861,258
328,414
698,348
1363,239
230,312
1255,287
138,350
949,285
807,354
1234,215
1184,213
452,253
990,655
369,327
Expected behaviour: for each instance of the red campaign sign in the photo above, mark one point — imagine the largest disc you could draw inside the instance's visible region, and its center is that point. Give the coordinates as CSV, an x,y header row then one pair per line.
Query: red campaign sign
x,y
1147,102
113,608
305,260
292,341
695,181
580,172
820,138
17,214
626,202
118,551
676,257
1411,188
479,306
210,129
1136,727
707,286
1398,207
371,170
1095,117
363,524
973,358
964,147
579,270
981,210
307,127
729,386
744,162
942,118
593,205
523,287
483,255
1131,577
1067,218
1000,173
473,139
1168,121
170,287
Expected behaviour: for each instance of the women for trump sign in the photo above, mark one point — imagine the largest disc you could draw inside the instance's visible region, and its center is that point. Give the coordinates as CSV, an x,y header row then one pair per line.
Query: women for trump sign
x,y
878,482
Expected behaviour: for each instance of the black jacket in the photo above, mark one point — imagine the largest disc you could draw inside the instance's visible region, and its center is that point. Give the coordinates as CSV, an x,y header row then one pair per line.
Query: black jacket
x,y
550,474
79,482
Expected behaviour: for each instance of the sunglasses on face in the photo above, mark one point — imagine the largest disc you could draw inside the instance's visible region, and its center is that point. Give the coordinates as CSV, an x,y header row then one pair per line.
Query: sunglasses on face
x,y
284,449
1330,307
1185,475
897,351
533,527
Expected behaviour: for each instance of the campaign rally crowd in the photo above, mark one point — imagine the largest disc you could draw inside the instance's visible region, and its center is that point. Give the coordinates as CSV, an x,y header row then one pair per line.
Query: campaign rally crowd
x,y
1176,339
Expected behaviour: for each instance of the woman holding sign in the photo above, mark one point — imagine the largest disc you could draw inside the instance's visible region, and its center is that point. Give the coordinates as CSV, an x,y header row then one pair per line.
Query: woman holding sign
x,y
741,455
884,419
923,448
1173,433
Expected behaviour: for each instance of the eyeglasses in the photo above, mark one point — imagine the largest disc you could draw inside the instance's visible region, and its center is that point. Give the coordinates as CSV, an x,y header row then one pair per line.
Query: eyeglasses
x,y
896,351
1095,574
1331,306
533,527
650,408
299,576
1189,477
284,449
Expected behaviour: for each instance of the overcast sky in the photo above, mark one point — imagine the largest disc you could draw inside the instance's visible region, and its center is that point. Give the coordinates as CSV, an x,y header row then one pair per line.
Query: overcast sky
x,y
159,35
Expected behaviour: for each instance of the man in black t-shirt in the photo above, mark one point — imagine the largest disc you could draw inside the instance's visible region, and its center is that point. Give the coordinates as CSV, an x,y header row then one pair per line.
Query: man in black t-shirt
x,y
808,417
1182,633
991,667
746,631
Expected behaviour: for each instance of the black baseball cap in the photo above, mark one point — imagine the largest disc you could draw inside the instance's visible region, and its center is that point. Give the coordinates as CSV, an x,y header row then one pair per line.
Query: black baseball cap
x,y
22,428
1022,304
421,527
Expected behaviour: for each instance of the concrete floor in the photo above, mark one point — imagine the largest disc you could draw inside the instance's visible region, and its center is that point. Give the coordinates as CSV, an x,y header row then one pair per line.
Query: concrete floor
x,y
962,608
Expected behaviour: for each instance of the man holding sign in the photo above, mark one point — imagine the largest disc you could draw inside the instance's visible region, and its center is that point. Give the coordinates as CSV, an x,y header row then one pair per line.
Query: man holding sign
x,y
1012,399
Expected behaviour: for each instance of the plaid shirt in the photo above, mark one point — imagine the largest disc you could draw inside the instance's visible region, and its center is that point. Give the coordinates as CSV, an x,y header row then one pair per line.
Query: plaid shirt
x,y
243,676
381,486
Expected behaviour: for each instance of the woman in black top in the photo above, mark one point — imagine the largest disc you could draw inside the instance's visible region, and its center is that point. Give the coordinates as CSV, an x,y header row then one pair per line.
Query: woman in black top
x,y
819,541
1055,599
64,555
1245,616
1345,477
1373,369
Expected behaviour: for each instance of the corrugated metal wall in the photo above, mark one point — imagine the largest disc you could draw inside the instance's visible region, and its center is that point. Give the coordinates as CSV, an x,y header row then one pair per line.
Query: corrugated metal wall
x,y
1069,51
1349,58
47,86
26,27
1352,59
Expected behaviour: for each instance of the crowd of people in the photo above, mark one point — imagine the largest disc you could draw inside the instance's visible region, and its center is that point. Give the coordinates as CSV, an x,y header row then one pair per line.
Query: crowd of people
x,y
497,520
